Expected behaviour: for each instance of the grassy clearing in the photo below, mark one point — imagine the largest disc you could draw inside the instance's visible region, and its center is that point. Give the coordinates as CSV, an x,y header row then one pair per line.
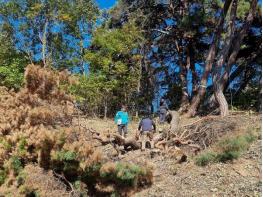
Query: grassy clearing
x,y
228,149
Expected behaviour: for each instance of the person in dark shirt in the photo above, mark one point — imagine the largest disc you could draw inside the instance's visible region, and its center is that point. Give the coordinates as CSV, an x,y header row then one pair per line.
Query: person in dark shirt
x,y
146,124
162,111
146,129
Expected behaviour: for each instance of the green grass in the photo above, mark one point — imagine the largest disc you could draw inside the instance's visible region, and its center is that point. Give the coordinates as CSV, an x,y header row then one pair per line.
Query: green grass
x,y
205,158
228,150
2,176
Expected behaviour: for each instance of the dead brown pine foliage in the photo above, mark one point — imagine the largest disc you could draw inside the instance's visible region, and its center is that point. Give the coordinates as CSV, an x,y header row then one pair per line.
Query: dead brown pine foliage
x,y
35,127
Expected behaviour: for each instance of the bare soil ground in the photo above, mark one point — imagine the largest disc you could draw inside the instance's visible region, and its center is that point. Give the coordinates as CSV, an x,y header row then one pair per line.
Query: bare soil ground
x,y
242,177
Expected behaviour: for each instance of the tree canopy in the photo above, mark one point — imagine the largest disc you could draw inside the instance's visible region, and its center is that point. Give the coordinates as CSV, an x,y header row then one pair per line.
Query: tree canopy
x,y
199,55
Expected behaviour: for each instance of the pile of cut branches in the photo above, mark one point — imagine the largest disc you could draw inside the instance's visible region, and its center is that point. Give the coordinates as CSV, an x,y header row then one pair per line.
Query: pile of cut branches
x,y
175,140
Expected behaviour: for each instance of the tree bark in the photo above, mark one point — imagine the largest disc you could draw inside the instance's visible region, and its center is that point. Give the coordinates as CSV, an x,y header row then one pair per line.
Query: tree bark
x,y
192,68
218,90
185,96
209,62
211,103
44,44
105,109
236,45
237,42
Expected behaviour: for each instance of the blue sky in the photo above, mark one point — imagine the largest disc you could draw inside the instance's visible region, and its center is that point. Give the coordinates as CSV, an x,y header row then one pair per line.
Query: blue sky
x,y
106,4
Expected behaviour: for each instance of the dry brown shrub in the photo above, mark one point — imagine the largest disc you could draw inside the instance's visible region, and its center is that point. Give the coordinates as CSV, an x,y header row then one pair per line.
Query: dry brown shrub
x,y
109,167
40,81
37,114
42,115
36,124
43,182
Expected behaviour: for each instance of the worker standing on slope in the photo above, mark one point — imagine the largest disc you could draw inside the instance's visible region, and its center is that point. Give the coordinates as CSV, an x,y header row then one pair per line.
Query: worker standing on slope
x,y
146,129
122,120
162,111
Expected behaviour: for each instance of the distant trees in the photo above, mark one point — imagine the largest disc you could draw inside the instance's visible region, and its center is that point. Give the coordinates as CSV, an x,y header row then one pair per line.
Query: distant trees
x,y
114,69
200,55
12,62
202,39
52,32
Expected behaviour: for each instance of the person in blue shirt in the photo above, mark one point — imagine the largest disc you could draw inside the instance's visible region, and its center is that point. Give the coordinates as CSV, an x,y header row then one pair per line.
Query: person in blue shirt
x,y
122,120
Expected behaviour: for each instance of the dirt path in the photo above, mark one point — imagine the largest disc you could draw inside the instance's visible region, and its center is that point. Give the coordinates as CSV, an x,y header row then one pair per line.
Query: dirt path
x,y
240,178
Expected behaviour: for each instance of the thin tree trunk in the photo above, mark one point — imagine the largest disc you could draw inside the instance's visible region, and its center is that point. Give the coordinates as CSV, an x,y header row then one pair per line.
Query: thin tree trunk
x,y
185,96
44,44
183,76
138,88
105,109
211,100
209,62
218,90
192,68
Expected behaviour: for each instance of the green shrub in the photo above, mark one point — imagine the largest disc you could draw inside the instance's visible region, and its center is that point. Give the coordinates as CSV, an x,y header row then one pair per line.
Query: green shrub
x,y
12,76
204,159
229,149
92,170
124,174
127,174
3,175
20,179
22,147
65,156
16,164
227,156
250,137
233,144
6,145
66,161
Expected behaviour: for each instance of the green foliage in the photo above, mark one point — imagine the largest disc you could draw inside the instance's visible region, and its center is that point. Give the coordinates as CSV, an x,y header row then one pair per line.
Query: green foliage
x,y
3,176
114,68
229,149
91,172
124,174
127,174
80,187
38,19
66,161
7,146
243,8
89,88
22,147
16,164
227,156
205,158
20,179
12,75
65,156
12,63
248,99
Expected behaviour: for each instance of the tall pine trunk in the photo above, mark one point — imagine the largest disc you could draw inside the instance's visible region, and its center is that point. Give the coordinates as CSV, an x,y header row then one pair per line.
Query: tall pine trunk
x,y
209,62
218,90
236,45
183,77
